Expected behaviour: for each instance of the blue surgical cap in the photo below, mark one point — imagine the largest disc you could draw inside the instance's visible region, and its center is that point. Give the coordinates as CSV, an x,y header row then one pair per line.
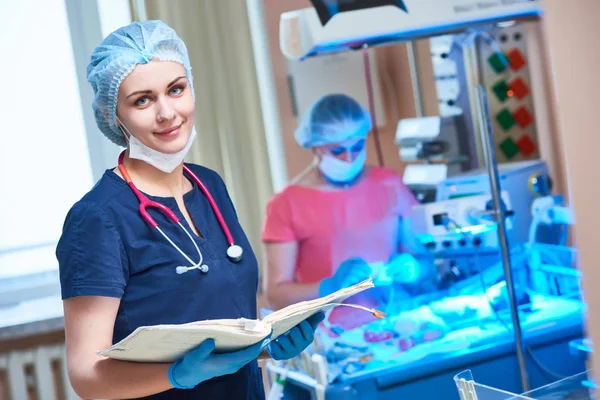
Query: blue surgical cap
x,y
334,118
117,56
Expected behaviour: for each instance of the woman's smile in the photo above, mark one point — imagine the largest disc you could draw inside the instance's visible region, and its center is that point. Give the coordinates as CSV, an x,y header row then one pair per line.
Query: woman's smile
x,y
169,133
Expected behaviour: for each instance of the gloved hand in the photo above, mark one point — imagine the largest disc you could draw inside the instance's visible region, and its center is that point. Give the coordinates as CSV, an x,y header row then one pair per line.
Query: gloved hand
x,y
350,272
402,268
296,340
200,364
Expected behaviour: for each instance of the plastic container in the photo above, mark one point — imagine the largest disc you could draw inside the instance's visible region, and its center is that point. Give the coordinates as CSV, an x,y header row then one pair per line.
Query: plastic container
x,y
572,388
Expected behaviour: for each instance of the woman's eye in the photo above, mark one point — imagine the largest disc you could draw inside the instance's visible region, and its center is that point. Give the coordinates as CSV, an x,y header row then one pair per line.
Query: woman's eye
x,y
176,90
337,151
357,148
142,101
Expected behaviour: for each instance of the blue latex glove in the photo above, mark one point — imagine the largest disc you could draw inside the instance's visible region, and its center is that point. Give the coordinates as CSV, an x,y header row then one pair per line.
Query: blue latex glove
x,y
402,268
296,340
350,272
201,364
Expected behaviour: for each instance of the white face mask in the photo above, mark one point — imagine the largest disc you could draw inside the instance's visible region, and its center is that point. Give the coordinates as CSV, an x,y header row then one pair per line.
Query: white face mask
x,y
164,162
342,171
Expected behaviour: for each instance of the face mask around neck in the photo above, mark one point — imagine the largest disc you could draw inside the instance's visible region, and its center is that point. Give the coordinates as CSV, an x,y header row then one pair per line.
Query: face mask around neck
x,y
339,171
162,161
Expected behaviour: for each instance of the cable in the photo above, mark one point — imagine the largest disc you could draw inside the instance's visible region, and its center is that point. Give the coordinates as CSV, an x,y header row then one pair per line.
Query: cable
x,y
458,228
539,364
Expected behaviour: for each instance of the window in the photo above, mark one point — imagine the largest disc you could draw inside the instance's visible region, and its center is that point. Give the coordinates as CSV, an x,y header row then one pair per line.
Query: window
x,y
45,164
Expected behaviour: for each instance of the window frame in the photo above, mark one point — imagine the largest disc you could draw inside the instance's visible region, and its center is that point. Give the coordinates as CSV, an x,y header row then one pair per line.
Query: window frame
x,y
88,25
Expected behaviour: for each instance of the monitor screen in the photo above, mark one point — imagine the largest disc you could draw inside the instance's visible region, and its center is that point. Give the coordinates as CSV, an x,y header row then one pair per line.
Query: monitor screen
x,y
326,9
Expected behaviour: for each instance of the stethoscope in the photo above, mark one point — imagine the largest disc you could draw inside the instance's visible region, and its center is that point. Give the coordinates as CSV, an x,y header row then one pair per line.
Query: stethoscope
x,y
234,252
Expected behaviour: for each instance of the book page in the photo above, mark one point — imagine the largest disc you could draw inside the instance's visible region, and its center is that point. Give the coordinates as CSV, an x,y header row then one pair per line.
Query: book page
x,y
168,343
285,319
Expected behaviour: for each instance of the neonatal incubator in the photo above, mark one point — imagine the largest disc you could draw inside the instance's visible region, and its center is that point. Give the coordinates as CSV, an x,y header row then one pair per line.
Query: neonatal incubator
x,y
456,314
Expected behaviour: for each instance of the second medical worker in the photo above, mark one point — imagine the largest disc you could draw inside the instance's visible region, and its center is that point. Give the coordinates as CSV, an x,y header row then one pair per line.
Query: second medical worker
x,y
181,257
337,214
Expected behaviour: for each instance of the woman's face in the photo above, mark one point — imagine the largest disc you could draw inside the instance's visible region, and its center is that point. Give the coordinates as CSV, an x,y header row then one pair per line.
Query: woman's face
x,y
156,105
345,151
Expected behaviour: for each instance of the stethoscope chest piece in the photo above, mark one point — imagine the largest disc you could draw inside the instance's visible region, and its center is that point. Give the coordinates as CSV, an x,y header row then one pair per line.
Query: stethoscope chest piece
x,y
234,253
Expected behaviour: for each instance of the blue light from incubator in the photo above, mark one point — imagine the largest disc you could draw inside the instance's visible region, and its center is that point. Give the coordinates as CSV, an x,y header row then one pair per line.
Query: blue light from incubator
x,y
477,229
339,45
589,384
407,273
473,230
425,238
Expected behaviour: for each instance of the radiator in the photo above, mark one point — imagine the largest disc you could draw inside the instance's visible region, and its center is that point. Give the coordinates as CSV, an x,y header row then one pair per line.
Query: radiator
x,y
32,370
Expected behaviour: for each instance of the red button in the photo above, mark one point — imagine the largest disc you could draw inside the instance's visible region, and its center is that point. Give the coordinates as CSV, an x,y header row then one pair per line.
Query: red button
x,y
516,59
523,117
526,146
519,88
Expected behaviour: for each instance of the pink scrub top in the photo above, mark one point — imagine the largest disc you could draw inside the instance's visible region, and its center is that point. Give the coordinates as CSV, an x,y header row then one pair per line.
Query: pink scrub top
x,y
333,226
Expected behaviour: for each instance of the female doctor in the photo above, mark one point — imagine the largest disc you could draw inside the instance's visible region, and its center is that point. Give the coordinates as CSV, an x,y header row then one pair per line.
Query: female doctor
x,y
121,268
323,230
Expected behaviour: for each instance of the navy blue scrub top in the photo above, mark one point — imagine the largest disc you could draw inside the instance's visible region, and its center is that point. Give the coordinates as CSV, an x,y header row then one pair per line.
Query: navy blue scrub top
x,y
107,249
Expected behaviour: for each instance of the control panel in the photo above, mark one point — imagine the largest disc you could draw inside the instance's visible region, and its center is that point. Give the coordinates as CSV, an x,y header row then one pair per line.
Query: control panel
x,y
506,72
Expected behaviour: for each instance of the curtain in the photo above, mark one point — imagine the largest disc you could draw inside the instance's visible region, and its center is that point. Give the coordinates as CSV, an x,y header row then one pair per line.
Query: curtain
x,y
229,122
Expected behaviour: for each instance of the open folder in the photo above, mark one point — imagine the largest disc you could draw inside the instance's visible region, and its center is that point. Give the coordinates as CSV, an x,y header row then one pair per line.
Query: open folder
x,y
168,343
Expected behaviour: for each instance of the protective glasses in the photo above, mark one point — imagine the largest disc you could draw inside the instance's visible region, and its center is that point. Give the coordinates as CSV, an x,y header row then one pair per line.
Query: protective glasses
x,y
338,150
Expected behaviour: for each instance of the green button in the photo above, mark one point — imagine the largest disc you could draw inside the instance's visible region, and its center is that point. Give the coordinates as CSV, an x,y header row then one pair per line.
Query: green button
x,y
501,90
505,119
509,148
498,62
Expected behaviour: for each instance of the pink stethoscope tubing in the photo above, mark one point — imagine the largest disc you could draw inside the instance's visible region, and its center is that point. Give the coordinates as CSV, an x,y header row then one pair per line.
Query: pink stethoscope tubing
x,y
234,252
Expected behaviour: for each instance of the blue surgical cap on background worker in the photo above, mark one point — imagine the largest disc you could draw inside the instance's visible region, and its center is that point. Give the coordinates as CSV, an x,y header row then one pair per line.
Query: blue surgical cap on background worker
x,y
334,118
117,56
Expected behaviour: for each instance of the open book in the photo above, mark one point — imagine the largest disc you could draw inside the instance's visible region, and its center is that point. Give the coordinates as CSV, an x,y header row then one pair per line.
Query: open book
x,y
168,343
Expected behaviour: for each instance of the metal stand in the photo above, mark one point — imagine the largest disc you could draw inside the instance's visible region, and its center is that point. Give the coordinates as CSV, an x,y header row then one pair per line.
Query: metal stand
x,y
369,81
487,140
415,77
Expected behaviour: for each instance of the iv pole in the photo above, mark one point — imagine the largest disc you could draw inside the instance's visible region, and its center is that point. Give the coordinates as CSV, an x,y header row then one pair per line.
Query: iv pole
x,y
485,129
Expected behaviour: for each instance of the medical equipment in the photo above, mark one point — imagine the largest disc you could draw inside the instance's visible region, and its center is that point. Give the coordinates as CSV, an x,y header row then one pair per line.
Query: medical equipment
x,y
515,178
406,367
423,179
431,139
458,225
276,390
356,23
435,148
234,252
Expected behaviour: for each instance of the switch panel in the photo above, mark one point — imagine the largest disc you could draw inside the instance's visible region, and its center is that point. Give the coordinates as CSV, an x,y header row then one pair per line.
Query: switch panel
x,y
505,71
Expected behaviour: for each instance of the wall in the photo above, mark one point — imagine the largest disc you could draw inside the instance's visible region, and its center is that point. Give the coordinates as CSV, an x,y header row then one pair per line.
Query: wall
x,y
394,73
550,141
571,29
